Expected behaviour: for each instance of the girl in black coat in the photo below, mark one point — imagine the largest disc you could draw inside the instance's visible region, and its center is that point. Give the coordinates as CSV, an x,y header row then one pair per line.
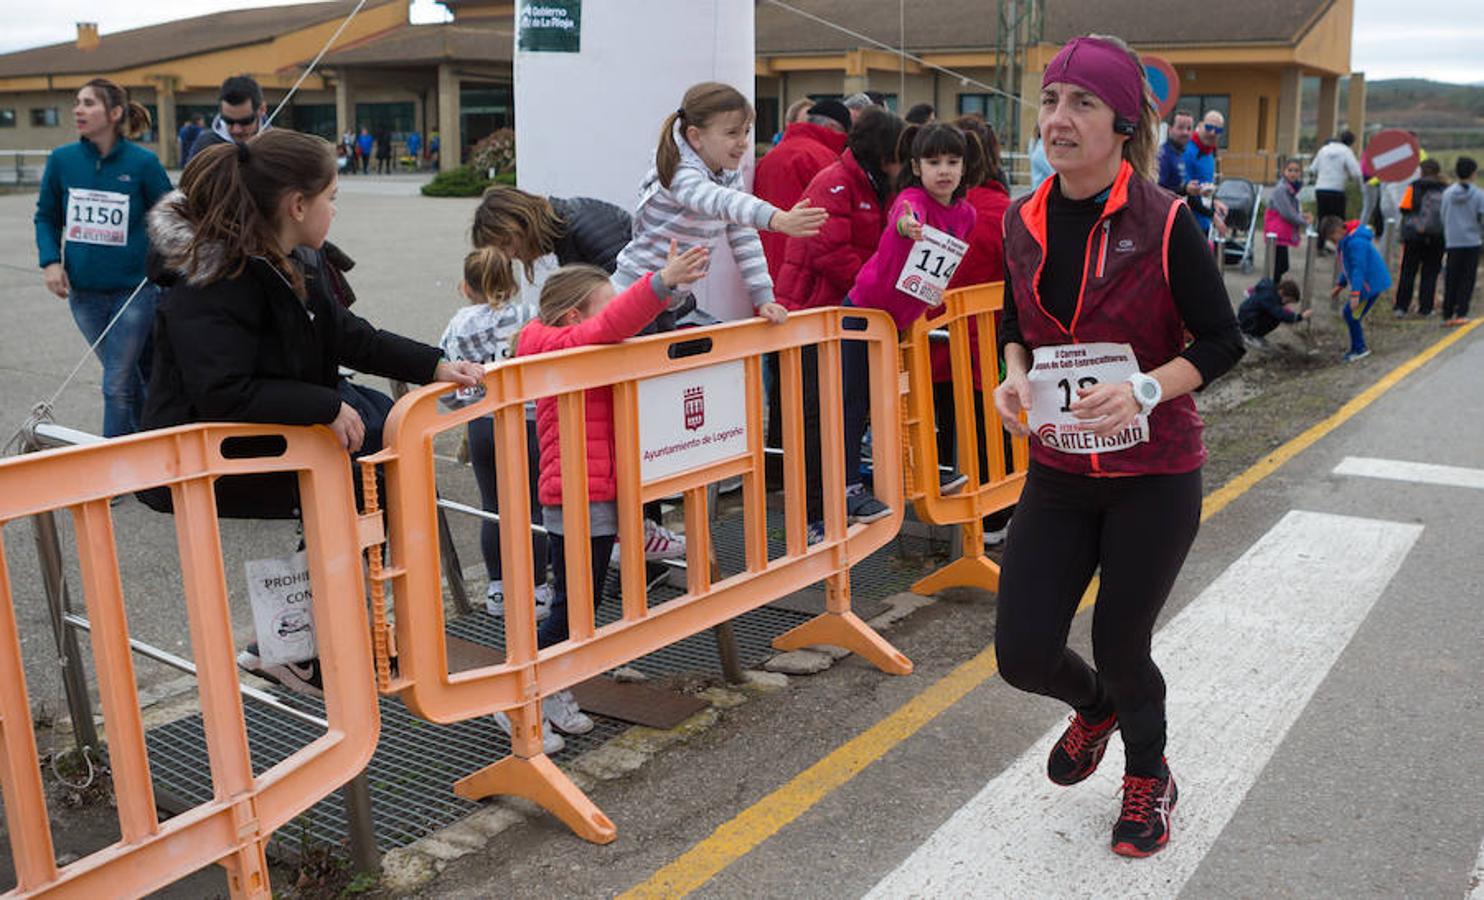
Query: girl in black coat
x,y
245,333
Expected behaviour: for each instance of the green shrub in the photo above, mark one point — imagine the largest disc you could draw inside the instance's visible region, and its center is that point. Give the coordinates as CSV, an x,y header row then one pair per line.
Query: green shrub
x,y
462,182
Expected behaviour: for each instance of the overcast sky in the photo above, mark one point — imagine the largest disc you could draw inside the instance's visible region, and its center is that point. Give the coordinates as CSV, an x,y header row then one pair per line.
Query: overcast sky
x,y
1437,39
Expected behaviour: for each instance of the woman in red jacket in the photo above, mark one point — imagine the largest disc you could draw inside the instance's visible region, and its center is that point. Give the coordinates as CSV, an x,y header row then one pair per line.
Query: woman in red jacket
x,y
817,271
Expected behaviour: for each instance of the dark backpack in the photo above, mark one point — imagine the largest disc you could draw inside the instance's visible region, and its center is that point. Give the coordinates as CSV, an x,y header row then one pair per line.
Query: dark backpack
x,y
1425,220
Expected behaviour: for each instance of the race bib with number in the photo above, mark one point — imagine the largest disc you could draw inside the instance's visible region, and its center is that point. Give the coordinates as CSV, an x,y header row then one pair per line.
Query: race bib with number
x,y
97,217
1057,374
930,265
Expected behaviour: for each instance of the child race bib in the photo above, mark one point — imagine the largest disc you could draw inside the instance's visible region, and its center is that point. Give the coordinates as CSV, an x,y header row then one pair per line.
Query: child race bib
x,y
930,264
97,217
1057,374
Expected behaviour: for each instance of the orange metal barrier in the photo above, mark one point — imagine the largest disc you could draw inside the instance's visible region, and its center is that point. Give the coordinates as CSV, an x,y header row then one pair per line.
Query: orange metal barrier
x,y
986,492
234,826
695,366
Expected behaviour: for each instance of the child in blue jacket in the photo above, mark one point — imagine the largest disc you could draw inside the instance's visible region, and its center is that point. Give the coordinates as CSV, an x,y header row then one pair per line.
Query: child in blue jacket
x,y
1362,270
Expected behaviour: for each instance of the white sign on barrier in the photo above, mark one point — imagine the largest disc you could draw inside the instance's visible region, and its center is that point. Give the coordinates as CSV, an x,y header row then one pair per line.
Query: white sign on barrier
x,y
282,608
691,419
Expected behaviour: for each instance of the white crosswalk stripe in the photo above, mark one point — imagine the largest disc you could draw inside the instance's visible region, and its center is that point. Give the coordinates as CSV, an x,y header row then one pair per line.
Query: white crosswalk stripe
x,y
1242,661
1401,470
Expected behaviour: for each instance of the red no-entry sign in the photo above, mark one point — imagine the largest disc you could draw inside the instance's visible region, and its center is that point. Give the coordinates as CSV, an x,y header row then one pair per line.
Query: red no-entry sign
x,y
1393,154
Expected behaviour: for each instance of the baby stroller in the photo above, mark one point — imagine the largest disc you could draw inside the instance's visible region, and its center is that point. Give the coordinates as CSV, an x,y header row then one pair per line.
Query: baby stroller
x,y
1243,201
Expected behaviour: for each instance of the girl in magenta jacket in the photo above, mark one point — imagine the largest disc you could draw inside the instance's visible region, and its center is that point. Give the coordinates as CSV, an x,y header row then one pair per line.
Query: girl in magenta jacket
x,y
932,194
579,307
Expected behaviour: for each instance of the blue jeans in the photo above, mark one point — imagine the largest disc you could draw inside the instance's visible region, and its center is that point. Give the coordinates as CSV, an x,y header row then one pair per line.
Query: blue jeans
x,y
1352,322
124,353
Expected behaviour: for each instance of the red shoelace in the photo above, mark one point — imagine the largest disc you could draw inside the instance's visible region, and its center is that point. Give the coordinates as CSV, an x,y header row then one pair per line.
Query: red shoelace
x,y
1081,733
1139,796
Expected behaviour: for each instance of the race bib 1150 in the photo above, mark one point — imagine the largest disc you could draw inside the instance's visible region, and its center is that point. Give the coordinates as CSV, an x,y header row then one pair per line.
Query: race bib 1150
x,y
97,217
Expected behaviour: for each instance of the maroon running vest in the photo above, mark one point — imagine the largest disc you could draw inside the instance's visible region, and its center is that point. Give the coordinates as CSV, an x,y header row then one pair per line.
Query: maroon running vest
x,y
1125,298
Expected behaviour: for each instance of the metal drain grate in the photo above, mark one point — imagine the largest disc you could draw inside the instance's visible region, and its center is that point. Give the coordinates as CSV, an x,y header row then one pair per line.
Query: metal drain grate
x,y
411,774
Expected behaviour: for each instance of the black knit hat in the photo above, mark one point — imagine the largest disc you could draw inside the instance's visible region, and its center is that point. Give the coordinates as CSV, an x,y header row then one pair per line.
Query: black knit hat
x,y
832,109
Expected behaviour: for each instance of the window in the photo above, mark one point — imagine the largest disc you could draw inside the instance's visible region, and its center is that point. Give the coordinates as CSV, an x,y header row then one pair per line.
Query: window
x,y
767,119
45,117
7,118
314,118
1262,124
973,105
1200,104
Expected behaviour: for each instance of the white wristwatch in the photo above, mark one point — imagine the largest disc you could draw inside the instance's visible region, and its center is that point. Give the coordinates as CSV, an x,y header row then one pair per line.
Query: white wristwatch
x,y
1146,390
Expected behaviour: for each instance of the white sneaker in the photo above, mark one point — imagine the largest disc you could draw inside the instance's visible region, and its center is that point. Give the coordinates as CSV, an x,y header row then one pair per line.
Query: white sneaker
x,y
494,601
659,543
562,713
997,537
551,742
545,594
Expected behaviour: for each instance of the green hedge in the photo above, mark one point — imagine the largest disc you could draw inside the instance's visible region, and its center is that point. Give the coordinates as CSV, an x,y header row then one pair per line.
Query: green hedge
x,y
463,182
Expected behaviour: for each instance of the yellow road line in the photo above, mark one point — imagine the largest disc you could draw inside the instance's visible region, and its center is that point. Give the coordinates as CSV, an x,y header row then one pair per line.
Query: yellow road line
x,y
765,818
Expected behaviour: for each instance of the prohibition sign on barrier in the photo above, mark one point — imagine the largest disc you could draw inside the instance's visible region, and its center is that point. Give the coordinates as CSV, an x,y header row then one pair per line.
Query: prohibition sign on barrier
x,y
1393,154
1164,82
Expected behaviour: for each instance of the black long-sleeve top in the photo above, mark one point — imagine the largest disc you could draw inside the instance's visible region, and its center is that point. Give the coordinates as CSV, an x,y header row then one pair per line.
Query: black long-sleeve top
x,y
1195,281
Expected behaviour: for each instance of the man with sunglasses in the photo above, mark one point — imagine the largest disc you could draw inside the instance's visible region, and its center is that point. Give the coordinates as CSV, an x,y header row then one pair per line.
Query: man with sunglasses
x,y
1200,172
239,115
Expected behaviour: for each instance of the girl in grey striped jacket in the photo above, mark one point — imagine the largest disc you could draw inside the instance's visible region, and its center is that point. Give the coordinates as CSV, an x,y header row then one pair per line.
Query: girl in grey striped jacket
x,y
694,193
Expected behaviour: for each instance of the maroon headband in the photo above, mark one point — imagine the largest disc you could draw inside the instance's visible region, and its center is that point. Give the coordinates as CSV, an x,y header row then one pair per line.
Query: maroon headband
x,y
1103,68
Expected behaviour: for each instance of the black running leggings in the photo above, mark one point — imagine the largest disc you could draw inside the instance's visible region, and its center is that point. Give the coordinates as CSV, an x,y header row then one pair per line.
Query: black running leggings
x,y
1136,531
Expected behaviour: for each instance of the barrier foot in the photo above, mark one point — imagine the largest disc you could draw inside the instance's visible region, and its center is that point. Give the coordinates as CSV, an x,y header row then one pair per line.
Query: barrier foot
x,y
848,631
538,780
966,571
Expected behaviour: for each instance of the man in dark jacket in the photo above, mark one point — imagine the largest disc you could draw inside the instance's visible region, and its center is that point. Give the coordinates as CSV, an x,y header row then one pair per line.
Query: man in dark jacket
x,y
1267,307
1172,153
241,114
806,149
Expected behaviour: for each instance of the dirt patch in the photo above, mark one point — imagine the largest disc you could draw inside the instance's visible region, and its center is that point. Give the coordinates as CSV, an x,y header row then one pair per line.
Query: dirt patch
x,y
1274,395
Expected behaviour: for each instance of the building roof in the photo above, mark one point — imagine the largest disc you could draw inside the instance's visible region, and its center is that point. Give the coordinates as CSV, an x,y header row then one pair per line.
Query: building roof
x,y
972,24
172,40
430,45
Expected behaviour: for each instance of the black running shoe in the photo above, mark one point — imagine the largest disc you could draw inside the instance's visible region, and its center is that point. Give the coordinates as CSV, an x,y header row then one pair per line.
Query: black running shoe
x,y
862,506
1143,828
1080,749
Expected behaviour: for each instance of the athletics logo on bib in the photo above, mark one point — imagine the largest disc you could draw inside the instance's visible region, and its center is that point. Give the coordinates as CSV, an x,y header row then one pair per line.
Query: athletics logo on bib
x,y
1057,374
97,217
930,264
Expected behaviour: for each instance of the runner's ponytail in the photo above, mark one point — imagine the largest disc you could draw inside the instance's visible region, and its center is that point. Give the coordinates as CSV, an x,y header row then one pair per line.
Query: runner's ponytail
x,y
488,277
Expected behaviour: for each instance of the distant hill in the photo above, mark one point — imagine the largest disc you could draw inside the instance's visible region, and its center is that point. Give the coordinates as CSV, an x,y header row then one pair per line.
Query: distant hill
x,y
1444,115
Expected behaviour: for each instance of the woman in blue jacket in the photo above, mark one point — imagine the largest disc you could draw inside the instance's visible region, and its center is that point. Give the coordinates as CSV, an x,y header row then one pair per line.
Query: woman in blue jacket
x,y
92,244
